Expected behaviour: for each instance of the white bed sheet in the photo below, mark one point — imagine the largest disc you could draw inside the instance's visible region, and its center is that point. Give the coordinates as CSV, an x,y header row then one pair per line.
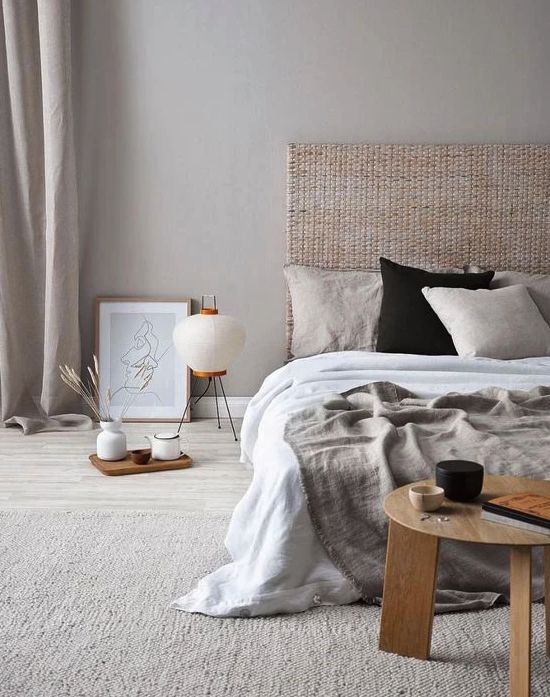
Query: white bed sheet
x,y
278,563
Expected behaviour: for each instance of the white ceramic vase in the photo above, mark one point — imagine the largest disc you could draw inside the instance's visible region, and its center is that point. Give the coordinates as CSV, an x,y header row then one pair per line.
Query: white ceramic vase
x,y
111,441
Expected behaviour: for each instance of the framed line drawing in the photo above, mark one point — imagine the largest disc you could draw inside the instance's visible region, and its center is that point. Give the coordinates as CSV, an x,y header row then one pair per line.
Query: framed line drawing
x,y
138,364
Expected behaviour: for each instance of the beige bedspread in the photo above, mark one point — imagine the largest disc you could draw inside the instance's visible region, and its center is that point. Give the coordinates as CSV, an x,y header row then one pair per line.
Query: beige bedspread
x,y
359,446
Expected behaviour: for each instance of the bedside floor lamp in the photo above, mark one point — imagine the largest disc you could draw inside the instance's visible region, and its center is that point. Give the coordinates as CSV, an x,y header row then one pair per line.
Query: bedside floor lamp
x,y
209,343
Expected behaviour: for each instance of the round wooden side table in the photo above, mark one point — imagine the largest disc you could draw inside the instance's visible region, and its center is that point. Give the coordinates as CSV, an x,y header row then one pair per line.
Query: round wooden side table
x,y
411,571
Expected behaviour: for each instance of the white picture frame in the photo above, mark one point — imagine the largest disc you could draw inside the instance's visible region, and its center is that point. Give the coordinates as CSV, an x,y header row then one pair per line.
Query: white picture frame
x,y
133,335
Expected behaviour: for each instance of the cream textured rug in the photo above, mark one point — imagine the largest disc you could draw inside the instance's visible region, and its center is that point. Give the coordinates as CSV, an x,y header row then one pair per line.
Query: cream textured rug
x,y
84,613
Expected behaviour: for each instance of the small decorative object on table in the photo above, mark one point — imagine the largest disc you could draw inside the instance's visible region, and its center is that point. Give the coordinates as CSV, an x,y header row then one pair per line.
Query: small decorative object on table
x,y
462,480
425,497
209,343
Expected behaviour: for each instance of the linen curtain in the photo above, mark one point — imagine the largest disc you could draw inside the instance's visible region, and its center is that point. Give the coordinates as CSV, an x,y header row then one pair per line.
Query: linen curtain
x,y
38,210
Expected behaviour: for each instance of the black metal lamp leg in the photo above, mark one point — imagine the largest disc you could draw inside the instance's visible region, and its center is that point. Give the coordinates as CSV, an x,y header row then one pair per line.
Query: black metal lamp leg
x,y
187,405
227,407
217,408
191,399
210,381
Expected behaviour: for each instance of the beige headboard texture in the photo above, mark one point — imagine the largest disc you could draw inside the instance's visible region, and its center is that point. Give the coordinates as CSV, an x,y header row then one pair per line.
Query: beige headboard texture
x,y
434,206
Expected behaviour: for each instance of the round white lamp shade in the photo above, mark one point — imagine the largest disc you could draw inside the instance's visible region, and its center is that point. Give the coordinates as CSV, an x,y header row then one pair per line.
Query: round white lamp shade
x,y
209,342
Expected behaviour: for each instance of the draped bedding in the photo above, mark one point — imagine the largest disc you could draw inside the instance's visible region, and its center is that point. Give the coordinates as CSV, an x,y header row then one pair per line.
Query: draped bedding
x,y
278,561
354,449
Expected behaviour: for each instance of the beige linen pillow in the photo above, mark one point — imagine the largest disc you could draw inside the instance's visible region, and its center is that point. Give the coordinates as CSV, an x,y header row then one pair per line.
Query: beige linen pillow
x,y
333,310
503,323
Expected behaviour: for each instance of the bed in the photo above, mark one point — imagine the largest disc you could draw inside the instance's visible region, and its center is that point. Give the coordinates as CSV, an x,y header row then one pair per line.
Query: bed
x,y
432,206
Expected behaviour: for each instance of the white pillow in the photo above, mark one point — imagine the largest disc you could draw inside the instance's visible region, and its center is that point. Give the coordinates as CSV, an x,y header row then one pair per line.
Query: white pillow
x,y
503,323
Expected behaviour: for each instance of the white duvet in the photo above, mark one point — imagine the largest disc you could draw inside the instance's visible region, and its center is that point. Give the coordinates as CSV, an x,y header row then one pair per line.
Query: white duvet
x,y
278,563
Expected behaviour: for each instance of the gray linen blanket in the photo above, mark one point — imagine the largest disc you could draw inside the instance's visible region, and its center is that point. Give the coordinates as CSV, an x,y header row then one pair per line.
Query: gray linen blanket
x,y
357,447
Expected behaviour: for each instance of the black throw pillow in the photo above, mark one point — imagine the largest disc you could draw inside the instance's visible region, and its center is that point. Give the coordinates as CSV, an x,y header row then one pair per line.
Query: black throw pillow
x,y
407,322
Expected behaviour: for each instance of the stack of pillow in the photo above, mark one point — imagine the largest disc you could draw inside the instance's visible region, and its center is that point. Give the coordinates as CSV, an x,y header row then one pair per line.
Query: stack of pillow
x,y
401,309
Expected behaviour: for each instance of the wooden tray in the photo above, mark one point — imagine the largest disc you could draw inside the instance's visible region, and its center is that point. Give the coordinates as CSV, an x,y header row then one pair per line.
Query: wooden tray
x,y
126,466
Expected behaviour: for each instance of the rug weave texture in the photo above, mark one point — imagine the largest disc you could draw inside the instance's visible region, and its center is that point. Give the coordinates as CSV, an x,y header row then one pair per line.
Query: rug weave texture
x,y
84,612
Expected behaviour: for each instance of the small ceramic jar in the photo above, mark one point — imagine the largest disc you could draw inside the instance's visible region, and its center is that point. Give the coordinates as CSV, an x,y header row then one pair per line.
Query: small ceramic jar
x,y
462,480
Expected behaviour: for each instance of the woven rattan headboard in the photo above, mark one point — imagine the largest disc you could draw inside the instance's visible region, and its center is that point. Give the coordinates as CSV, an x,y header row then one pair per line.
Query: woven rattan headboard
x,y
425,205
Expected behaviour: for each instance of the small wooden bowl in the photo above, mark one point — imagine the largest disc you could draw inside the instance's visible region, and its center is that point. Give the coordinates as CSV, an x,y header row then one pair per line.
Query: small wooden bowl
x,y
140,456
425,497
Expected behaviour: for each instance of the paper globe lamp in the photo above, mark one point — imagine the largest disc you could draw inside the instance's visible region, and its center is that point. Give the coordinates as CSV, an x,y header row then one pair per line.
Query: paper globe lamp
x,y
209,342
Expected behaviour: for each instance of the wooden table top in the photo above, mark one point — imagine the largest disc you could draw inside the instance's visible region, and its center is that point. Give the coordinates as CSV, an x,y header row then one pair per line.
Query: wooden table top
x,y
465,523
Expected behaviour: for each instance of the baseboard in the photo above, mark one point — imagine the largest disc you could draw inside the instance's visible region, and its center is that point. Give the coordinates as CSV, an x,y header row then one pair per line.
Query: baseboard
x,y
206,408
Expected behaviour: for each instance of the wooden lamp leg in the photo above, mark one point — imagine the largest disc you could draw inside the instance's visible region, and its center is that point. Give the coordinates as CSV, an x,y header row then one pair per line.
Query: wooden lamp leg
x,y
520,621
409,592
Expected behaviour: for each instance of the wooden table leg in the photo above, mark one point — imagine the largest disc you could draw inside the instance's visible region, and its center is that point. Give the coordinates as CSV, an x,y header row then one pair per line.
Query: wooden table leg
x,y
520,621
547,596
409,592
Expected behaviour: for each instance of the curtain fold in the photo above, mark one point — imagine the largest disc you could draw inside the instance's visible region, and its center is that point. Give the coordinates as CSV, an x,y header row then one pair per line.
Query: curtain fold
x,y
38,209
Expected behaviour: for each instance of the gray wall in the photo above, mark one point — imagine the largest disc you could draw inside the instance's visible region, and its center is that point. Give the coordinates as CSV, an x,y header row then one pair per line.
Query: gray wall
x,y
185,109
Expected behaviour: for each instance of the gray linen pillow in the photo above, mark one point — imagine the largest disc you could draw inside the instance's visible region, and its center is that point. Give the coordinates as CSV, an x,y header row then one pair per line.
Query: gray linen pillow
x,y
503,323
333,310
537,284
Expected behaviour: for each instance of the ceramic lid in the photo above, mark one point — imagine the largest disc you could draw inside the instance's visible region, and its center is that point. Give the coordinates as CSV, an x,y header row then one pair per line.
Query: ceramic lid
x,y
456,467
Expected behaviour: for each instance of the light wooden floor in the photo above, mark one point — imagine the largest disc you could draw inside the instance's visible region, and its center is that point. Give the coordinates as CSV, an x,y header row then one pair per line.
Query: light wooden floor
x,y
52,470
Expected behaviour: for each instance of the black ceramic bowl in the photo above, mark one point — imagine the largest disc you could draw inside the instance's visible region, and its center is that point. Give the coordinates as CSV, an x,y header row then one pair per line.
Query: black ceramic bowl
x,y
461,480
